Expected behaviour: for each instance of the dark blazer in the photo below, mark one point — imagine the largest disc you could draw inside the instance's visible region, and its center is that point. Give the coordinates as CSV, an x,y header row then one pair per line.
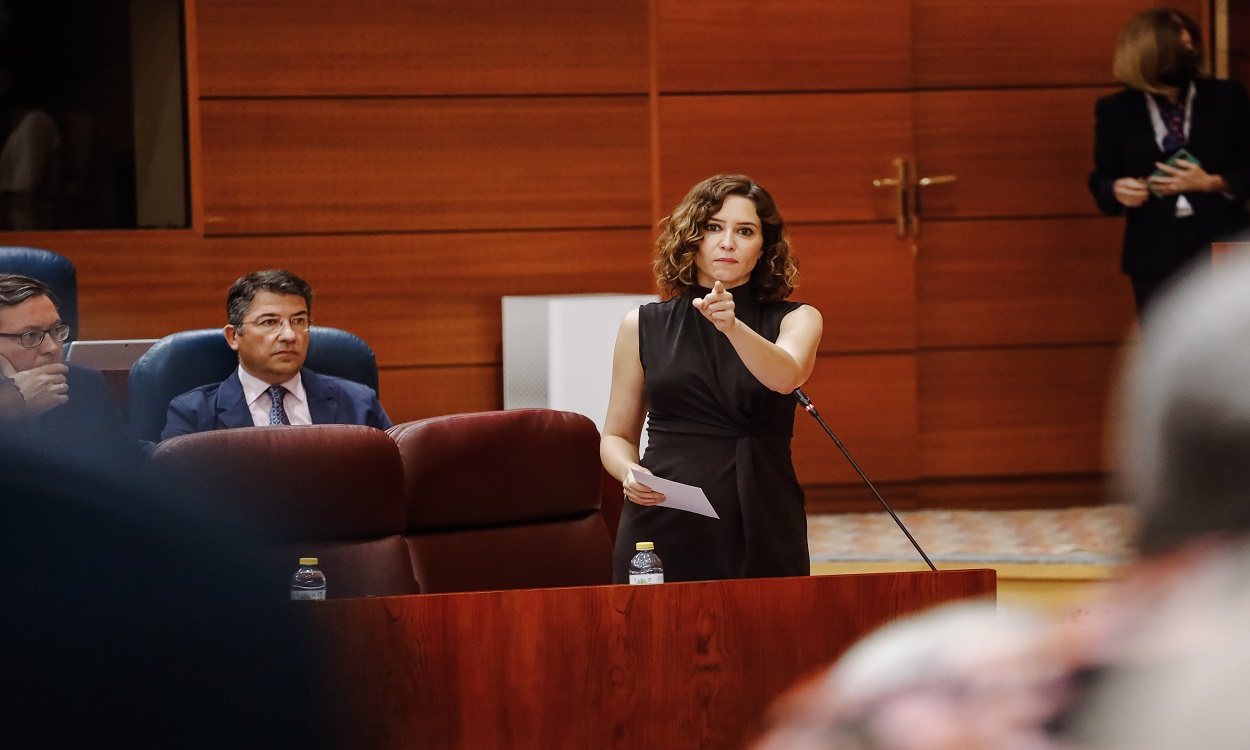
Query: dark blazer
x,y
91,414
220,406
1124,146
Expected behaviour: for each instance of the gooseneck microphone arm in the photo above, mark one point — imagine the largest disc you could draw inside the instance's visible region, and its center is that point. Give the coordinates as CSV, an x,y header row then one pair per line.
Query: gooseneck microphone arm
x,y
810,408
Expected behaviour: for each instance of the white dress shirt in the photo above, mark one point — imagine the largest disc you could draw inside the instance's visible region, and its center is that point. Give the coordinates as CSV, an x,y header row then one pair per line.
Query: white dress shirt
x,y
256,393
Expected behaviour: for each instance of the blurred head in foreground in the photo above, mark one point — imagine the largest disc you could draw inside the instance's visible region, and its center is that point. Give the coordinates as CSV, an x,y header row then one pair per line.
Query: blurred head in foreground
x,y
1183,437
958,677
1178,661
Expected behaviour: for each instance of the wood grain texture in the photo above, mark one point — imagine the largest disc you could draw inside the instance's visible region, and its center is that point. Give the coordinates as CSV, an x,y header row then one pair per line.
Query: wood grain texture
x,y
412,393
967,43
1017,153
428,48
869,401
374,165
780,45
427,299
677,665
1003,412
817,154
1029,281
862,279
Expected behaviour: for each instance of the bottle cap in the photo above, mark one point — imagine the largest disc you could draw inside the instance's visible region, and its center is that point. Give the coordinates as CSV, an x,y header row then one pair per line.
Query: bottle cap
x,y
308,561
644,546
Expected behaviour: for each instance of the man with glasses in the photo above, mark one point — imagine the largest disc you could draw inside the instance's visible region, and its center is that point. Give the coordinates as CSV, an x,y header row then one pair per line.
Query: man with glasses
x,y
269,314
37,387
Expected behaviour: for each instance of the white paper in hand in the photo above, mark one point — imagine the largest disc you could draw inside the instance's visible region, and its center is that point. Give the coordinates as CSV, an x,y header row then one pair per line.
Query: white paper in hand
x,y
677,496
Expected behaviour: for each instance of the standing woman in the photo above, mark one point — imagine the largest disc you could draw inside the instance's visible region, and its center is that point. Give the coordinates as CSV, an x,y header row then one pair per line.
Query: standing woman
x,y
1173,217
715,367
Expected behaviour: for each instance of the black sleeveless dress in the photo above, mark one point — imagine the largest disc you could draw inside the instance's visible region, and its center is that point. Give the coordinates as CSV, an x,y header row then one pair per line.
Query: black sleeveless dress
x,y
713,425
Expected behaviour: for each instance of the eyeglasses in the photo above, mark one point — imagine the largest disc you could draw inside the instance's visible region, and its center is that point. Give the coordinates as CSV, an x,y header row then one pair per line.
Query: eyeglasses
x,y
272,324
31,339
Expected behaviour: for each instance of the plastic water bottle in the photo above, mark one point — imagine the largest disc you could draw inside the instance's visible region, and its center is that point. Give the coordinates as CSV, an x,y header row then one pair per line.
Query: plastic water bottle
x,y
645,565
308,582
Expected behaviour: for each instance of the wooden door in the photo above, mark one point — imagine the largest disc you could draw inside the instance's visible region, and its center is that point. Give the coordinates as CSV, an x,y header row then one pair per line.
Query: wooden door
x,y
784,92
971,364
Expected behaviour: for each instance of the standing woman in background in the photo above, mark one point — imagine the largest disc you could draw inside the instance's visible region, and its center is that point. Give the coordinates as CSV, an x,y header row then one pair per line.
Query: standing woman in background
x,y
715,366
1174,216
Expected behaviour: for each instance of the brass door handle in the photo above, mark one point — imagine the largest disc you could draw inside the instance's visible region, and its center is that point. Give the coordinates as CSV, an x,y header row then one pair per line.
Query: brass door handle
x,y
939,180
901,182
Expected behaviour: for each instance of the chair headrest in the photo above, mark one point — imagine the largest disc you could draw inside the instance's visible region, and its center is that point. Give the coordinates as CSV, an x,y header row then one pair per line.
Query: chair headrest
x,y
314,482
462,470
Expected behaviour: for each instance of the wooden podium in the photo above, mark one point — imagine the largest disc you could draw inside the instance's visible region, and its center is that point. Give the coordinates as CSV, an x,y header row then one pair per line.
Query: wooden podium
x,y
681,665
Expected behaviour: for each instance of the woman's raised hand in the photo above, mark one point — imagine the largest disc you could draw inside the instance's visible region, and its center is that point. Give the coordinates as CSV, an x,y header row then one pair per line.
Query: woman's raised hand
x,y
718,307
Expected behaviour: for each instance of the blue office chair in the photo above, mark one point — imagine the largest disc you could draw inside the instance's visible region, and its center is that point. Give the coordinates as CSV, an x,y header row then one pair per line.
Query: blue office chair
x,y
51,268
189,359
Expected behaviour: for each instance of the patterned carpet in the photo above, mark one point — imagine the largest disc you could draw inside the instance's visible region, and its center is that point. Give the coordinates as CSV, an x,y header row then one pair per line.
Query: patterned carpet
x,y
1073,536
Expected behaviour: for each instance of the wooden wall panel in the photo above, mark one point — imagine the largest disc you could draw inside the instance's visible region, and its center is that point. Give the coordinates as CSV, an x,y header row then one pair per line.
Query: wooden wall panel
x,y
1016,153
431,299
1028,281
869,401
968,43
817,154
1034,410
411,393
862,280
373,165
782,45
432,47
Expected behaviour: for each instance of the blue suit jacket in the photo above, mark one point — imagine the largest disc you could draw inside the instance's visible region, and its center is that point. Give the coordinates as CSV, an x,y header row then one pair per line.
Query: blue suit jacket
x,y
221,405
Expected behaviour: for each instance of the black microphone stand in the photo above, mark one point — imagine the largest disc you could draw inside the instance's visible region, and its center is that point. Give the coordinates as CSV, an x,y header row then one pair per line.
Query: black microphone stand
x,y
807,405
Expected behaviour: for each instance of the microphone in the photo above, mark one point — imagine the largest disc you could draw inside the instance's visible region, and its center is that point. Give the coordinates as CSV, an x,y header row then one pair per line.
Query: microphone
x,y
810,408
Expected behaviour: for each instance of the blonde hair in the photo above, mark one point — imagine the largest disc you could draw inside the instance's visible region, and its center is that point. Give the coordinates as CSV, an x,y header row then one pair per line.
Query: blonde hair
x,y
776,274
1150,45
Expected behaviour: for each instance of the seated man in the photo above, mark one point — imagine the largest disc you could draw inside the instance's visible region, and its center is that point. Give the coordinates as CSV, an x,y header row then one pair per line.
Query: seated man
x,y
269,314
55,397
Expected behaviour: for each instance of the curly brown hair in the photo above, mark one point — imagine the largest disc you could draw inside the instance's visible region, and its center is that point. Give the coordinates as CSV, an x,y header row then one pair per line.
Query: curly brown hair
x,y
776,274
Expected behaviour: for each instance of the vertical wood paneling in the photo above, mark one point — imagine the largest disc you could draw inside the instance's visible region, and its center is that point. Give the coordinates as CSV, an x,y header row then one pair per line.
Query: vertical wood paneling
x,y
351,165
1016,153
817,154
1004,412
411,393
869,401
862,280
430,299
427,48
783,45
961,44
1035,281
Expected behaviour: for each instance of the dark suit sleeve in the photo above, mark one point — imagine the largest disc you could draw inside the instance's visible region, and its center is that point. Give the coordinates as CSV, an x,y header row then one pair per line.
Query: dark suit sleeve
x,y
180,418
376,416
1238,175
1107,164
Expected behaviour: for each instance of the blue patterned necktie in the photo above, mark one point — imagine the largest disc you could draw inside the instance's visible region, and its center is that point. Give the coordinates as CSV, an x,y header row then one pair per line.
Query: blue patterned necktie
x,y
277,412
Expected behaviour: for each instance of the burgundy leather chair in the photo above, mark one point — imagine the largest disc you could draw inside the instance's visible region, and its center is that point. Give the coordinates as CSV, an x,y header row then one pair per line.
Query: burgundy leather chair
x,y
504,500
333,492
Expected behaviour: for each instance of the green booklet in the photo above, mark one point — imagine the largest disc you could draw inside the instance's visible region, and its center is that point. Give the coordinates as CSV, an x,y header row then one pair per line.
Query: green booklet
x,y
1171,162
